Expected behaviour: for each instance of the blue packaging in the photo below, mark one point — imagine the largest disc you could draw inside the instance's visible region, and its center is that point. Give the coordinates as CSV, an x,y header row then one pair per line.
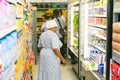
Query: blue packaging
x,y
101,68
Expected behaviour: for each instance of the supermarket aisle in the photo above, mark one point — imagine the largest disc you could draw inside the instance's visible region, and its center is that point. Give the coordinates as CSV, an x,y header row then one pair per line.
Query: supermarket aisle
x,y
67,72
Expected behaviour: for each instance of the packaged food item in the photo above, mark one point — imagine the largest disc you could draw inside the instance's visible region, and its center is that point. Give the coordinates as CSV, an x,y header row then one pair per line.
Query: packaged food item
x,y
116,37
116,27
116,46
115,77
101,68
115,68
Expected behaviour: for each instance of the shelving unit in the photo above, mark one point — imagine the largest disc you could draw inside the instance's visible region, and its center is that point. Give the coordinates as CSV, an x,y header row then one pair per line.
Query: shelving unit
x,y
115,53
15,41
7,31
93,29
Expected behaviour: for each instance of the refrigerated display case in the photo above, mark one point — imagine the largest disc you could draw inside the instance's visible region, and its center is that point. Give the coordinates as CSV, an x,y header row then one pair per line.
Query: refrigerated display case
x,y
72,33
115,44
93,38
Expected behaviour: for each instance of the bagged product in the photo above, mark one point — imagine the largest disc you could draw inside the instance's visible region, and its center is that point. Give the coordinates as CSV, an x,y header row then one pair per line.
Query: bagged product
x,y
116,37
116,27
116,46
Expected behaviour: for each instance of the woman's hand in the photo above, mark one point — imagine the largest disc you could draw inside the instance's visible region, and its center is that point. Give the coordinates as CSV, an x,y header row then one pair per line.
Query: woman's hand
x,y
64,62
58,53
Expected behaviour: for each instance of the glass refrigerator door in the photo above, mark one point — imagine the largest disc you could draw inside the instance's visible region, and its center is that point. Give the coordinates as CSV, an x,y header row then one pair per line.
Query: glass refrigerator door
x,y
115,64
73,17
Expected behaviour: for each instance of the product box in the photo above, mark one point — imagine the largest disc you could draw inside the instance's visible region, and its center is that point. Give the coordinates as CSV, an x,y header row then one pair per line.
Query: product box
x,y
89,65
116,37
115,68
116,27
98,58
116,46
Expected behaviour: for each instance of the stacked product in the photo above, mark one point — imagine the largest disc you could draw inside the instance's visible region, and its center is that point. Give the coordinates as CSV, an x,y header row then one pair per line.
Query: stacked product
x,y
15,44
97,29
116,36
115,67
7,54
7,15
8,38
96,60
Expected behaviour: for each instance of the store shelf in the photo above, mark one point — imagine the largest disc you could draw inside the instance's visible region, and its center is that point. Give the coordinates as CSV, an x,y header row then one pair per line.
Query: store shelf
x,y
101,26
99,36
51,8
8,67
116,56
97,75
19,2
99,48
12,1
100,7
74,51
98,16
6,31
19,16
98,26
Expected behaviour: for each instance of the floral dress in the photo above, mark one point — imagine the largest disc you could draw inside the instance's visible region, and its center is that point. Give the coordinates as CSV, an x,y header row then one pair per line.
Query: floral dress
x,y
49,68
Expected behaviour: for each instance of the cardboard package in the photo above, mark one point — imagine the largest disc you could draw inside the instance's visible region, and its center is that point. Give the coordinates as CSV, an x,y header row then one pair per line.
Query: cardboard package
x,y
116,46
116,37
116,27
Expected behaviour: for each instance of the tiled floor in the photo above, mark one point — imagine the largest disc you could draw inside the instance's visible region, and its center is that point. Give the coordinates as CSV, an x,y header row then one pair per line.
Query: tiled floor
x,y
67,72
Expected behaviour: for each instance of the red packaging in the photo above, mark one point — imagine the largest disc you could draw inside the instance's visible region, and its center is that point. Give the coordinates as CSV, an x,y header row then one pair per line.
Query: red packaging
x,y
100,21
115,68
97,21
115,77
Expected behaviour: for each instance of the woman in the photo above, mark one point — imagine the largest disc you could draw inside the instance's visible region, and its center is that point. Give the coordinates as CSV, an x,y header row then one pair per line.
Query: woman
x,y
50,54
60,31
46,18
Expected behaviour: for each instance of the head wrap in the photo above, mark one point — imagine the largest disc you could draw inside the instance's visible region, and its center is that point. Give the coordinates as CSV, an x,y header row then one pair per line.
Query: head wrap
x,y
51,24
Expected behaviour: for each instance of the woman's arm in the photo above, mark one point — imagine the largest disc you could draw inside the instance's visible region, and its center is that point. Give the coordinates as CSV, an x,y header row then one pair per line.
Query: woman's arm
x,y
58,53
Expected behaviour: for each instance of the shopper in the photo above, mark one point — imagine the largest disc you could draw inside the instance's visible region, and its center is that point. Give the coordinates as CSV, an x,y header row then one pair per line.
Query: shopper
x,y
50,55
62,19
64,25
60,31
46,17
